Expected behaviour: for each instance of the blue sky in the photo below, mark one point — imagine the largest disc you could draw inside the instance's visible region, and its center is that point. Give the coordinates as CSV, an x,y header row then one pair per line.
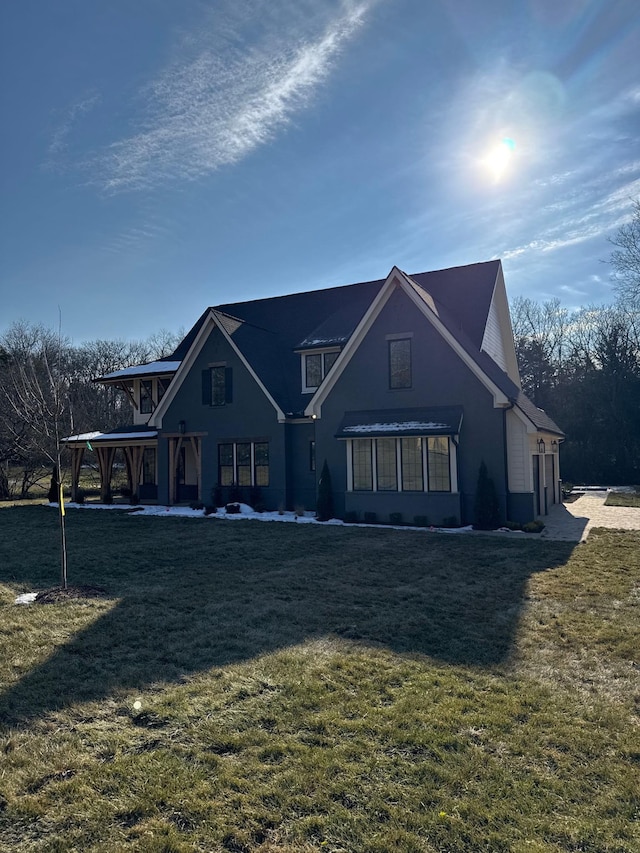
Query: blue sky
x,y
161,156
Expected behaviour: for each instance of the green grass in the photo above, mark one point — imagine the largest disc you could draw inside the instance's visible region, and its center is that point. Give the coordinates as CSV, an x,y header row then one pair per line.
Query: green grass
x,y
623,499
308,688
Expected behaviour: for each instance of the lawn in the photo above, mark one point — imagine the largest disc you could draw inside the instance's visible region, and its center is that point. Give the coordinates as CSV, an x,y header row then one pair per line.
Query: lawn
x,y
272,687
623,499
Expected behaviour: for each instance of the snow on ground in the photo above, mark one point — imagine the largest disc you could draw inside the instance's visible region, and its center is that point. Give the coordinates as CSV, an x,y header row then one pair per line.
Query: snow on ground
x,y
26,598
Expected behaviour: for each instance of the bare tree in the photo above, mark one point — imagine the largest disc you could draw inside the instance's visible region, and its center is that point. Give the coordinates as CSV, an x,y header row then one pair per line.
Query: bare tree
x,y
34,394
625,260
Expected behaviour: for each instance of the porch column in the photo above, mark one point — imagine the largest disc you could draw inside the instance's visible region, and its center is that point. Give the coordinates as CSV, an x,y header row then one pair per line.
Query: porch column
x,y
77,454
105,466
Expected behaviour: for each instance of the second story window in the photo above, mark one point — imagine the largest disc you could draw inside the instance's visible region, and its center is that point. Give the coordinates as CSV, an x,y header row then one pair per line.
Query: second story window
x,y
217,385
400,363
315,367
146,396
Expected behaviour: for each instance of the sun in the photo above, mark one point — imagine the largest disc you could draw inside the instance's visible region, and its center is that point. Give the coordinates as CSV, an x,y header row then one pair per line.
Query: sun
x,y
499,158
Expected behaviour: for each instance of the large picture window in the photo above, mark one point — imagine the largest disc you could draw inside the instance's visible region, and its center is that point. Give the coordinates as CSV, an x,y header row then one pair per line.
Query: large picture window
x,y
217,385
400,363
244,462
413,464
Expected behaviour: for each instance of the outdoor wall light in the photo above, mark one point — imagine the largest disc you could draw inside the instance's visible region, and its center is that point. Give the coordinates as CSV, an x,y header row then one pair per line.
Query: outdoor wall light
x,y
554,446
541,445
182,426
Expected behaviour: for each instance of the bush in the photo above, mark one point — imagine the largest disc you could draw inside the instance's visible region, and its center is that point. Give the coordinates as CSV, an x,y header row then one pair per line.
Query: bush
x,y
324,506
487,508
395,517
351,517
232,508
216,495
210,510
235,493
134,500
54,489
80,496
450,521
196,505
421,520
371,518
512,525
108,498
533,526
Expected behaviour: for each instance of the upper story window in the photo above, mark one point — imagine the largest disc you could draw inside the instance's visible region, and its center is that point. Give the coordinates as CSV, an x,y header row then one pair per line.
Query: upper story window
x,y
400,363
217,385
146,396
315,366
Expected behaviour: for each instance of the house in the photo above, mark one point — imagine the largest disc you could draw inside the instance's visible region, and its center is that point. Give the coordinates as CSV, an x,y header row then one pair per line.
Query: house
x,y
402,385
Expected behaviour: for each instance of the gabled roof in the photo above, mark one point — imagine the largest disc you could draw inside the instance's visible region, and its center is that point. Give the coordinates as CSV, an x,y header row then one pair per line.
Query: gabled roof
x,y
270,333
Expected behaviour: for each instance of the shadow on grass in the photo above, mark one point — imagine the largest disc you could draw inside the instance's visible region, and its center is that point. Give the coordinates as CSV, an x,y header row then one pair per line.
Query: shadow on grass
x,y
196,594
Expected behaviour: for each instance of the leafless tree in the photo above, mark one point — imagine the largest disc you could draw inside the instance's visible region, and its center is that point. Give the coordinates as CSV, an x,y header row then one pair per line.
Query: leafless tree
x,y
625,260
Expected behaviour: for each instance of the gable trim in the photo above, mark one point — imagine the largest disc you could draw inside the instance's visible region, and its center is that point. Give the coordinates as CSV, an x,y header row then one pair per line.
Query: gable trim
x,y
211,322
397,278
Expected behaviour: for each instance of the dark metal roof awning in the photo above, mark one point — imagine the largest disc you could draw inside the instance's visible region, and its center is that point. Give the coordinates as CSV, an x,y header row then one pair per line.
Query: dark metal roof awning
x,y
437,420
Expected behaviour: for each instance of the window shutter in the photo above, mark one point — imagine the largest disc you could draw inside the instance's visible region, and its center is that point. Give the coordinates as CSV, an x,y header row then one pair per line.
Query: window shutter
x,y
228,385
206,387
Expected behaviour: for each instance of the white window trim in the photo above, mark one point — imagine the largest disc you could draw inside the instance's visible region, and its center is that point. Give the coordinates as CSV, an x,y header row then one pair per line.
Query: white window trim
x,y
311,389
453,467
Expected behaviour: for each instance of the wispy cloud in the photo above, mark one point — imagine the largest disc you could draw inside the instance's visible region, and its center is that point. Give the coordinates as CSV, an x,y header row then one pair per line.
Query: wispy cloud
x,y
60,138
224,101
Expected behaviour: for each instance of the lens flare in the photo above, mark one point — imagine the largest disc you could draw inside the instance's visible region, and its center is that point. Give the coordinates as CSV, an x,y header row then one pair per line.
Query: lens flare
x,y
498,160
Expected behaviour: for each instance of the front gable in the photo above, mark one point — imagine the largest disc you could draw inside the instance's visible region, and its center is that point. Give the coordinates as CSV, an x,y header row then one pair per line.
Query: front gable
x,y
399,283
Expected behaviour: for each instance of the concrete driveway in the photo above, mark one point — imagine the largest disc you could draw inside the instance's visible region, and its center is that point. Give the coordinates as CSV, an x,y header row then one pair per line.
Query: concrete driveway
x,y
572,522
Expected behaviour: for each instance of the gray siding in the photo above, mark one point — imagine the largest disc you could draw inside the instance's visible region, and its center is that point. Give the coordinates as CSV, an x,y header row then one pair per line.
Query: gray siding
x,y
250,416
439,378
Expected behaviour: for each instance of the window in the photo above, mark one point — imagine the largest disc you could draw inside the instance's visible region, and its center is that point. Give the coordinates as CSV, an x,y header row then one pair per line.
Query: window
x,y
146,396
401,464
217,385
438,464
411,455
315,367
245,463
163,384
149,465
400,363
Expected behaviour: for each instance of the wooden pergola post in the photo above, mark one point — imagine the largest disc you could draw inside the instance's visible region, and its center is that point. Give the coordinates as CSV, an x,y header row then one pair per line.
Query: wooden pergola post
x,y
77,454
105,466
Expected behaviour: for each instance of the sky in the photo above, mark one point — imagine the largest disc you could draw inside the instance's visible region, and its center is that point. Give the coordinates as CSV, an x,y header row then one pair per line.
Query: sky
x,y
158,157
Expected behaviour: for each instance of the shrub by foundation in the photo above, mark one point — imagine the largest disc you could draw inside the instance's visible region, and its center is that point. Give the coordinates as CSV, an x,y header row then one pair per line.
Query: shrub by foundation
x,y
395,517
351,517
421,520
371,518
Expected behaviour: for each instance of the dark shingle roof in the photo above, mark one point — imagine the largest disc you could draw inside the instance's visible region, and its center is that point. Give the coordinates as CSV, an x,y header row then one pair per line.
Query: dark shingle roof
x,y
271,330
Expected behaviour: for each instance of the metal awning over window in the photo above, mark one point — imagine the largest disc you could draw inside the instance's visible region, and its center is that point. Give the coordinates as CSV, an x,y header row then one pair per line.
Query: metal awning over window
x,y
437,420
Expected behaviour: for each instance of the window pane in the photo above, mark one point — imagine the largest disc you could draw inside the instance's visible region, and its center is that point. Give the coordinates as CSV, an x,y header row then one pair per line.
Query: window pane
x,y
163,384
149,465
243,462
386,464
261,456
313,367
218,386
438,461
146,400
329,359
400,363
225,464
362,473
411,452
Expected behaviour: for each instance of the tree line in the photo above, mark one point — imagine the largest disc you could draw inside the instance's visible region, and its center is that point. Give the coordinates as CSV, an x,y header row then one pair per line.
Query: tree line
x,y
47,393
581,366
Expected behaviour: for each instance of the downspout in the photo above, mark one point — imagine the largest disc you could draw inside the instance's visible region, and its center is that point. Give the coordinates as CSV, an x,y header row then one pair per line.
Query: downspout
x,y
506,454
456,444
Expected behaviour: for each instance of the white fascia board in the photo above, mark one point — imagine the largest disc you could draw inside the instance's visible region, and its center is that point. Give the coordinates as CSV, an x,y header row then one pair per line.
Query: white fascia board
x,y
185,366
499,298
279,413
396,275
210,323
314,407
500,399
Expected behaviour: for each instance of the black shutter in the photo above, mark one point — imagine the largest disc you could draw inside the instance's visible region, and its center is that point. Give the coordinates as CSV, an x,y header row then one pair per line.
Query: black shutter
x,y
206,387
228,385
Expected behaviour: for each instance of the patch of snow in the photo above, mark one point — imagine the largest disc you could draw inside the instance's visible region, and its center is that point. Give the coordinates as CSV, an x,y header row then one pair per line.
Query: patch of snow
x,y
154,367
26,598
396,427
83,436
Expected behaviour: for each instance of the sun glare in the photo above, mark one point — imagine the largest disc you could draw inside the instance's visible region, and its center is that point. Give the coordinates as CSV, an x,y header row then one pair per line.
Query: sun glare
x,y
499,158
